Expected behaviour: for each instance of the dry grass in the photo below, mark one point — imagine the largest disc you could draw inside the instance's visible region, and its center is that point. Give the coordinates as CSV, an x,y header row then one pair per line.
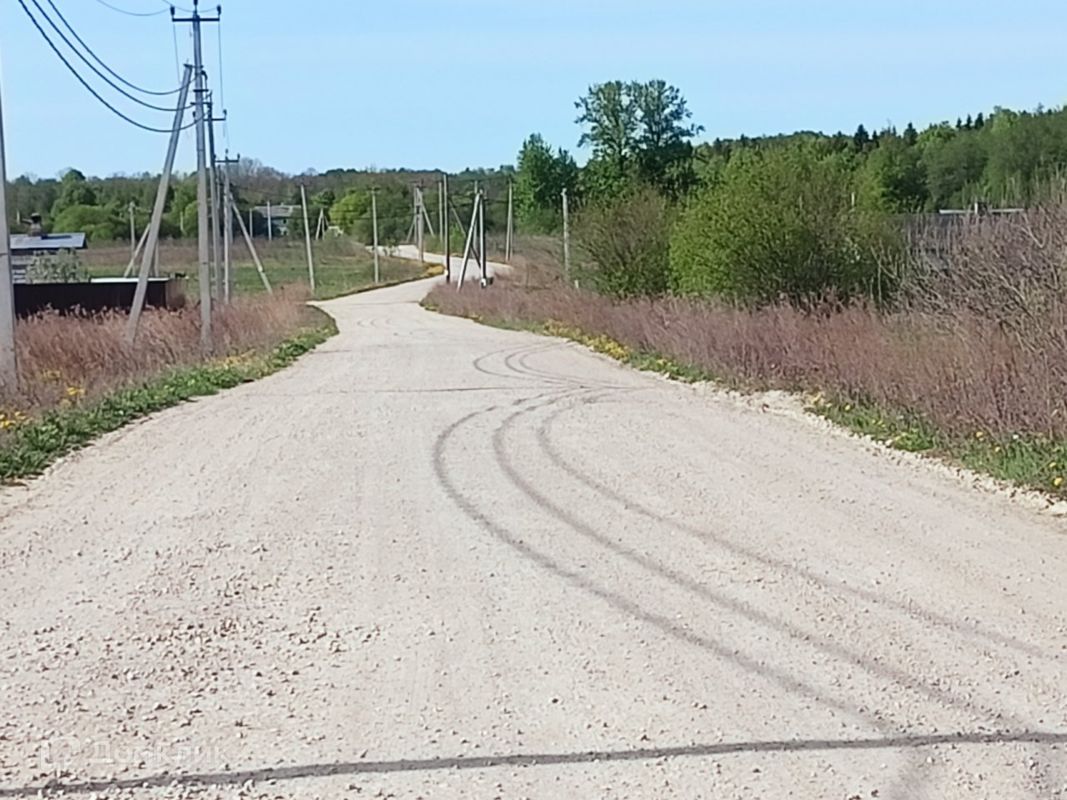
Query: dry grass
x,y
65,360
964,373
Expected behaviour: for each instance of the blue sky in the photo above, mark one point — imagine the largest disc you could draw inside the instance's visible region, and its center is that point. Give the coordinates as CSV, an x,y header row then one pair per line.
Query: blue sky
x,y
455,83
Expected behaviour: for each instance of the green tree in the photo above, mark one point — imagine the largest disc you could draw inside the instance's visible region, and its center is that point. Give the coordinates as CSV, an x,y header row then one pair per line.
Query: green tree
x,y
540,179
74,190
893,177
781,224
350,209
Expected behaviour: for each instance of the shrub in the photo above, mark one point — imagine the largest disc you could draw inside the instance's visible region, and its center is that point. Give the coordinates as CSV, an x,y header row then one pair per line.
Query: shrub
x,y
625,243
780,224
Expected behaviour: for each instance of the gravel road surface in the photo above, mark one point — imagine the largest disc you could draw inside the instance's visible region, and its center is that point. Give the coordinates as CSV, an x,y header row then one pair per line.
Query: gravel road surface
x,y
438,560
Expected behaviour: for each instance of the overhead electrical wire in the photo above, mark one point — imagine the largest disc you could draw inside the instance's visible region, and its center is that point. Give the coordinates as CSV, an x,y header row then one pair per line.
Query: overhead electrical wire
x,y
118,10
95,68
73,71
101,62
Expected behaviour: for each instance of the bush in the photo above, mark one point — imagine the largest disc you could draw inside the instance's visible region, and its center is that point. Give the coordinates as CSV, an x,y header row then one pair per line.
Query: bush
x,y
781,224
625,243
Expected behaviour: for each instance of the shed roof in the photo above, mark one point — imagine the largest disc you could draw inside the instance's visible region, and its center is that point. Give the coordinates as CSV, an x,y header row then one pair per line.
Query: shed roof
x,y
50,242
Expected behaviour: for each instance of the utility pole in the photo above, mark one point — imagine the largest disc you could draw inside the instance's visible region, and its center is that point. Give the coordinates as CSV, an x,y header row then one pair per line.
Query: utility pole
x,y
566,238
229,277
510,243
481,239
441,221
374,226
203,230
151,245
307,238
251,247
270,223
446,231
419,227
213,177
9,374
133,232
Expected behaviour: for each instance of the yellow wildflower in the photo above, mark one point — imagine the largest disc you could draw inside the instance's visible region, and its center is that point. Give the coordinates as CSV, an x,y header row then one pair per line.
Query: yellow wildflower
x,y
1057,482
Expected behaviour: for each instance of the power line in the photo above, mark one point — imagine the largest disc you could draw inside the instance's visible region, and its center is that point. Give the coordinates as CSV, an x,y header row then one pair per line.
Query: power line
x,y
118,10
83,82
96,69
100,61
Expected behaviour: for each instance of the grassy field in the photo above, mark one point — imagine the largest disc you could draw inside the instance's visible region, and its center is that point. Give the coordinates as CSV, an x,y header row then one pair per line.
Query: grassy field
x,y
341,265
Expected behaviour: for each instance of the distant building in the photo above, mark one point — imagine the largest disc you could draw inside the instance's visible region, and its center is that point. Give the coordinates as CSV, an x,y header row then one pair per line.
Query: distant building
x,y
25,249
277,217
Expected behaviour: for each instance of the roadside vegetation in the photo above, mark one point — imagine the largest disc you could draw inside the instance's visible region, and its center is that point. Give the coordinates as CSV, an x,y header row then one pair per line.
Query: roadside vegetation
x,y
807,263
79,379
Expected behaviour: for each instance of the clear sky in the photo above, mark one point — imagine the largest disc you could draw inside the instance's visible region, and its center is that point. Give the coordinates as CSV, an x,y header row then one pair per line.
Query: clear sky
x,y
455,83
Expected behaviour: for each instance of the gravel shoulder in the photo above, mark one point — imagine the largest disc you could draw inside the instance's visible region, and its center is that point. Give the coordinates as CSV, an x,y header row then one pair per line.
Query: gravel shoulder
x,y
440,560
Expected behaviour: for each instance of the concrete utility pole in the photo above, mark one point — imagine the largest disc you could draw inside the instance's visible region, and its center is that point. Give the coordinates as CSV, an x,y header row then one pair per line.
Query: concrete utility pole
x,y
203,224
374,226
228,272
509,244
566,237
151,245
446,231
216,205
419,229
270,222
251,247
481,240
133,232
441,221
307,238
9,374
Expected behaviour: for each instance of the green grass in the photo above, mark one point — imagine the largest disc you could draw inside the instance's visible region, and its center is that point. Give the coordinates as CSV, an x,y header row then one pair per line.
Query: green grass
x,y
341,267
1032,462
32,446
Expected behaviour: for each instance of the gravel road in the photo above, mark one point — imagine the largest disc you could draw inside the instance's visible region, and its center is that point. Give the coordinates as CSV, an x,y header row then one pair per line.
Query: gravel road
x,y
438,560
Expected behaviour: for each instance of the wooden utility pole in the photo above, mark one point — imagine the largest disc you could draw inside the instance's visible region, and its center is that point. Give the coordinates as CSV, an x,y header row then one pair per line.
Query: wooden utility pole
x,y
307,238
152,242
566,237
9,374
203,223
374,227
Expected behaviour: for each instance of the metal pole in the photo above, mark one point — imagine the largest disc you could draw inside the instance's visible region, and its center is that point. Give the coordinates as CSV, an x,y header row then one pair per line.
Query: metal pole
x,y
152,243
374,226
9,374
213,177
566,237
446,231
307,238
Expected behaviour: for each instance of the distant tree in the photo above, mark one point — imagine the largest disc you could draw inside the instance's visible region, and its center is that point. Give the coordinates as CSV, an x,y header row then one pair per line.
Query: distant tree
x,y
979,121
74,190
540,179
861,140
350,209
639,133
911,136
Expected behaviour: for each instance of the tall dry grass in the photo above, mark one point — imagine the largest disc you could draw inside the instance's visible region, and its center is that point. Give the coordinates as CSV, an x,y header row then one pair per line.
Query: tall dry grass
x,y
61,357
980,346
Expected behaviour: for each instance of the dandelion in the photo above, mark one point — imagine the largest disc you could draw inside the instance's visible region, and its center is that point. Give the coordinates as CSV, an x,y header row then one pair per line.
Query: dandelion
x,y
74,392
1057,482
848,407
979,435
998,449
